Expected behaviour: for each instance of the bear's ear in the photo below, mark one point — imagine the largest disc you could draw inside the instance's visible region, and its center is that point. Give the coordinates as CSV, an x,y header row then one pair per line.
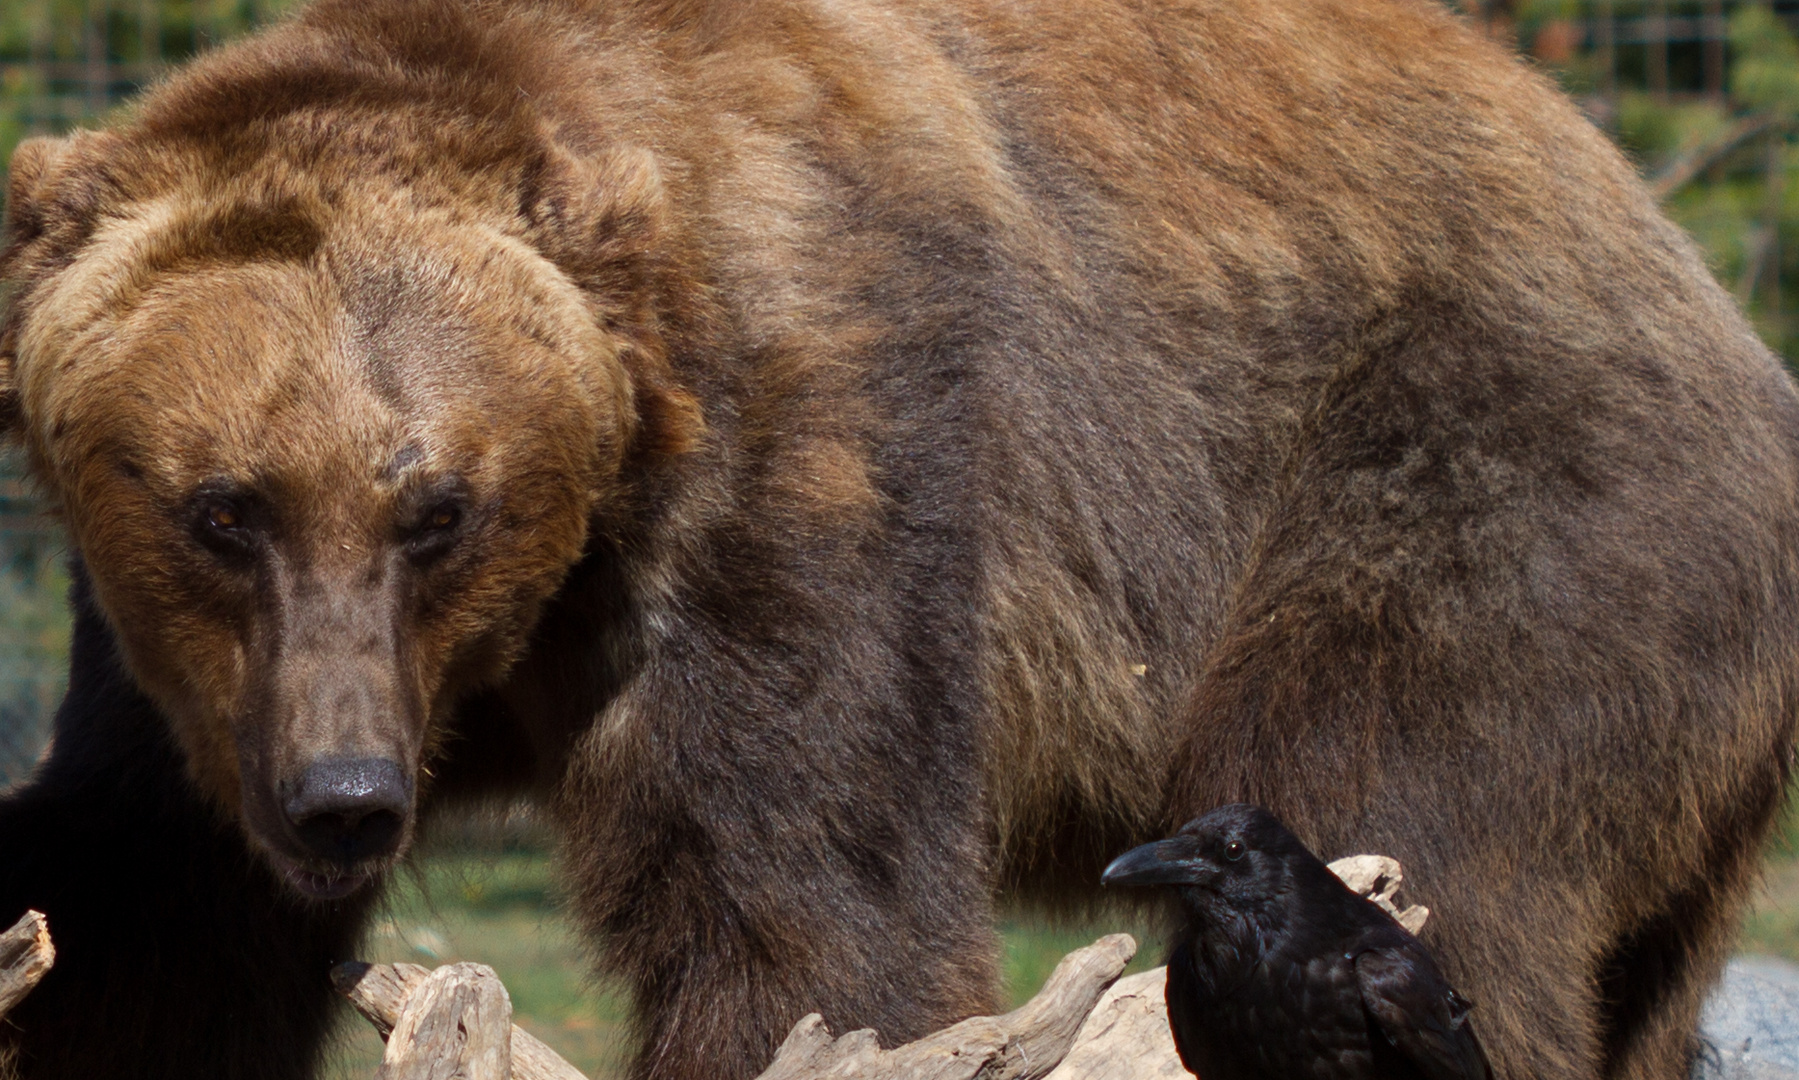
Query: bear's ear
x,y
53,194
603,220
39,191
602,214
34,162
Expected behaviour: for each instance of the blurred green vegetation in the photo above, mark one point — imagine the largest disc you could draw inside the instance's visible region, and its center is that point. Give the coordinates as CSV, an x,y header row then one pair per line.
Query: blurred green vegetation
x,y
1771,926
64,62
1707,89
34,642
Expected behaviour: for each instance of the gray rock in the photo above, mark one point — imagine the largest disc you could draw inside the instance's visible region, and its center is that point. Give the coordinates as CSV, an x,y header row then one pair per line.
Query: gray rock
x,y
1750,1027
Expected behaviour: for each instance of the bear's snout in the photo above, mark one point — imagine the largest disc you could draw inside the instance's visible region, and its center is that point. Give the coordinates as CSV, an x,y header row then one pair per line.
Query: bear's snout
x,y
350,810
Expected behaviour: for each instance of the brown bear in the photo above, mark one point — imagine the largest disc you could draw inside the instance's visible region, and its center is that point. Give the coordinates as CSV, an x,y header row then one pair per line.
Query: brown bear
x,y
846,458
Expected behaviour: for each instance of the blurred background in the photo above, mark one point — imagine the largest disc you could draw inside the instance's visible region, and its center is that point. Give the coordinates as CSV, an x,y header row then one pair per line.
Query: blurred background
x,y
1703,95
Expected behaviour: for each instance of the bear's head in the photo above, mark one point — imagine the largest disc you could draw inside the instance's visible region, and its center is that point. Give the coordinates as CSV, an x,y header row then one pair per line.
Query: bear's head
x,y
327,428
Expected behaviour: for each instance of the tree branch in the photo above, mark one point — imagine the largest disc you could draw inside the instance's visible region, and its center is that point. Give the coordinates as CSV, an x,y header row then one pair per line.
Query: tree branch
x,y
25,955
380,993
1684,169
454,1026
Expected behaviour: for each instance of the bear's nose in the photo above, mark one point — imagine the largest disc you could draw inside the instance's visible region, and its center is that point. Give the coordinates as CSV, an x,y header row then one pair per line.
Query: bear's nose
x,y
350,809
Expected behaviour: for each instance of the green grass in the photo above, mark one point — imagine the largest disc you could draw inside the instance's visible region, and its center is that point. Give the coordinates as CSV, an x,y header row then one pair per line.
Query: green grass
x,y
1030,950
1772,925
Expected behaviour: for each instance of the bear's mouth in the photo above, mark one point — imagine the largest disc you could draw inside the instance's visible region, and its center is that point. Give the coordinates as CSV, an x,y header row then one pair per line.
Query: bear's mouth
x,y
331,883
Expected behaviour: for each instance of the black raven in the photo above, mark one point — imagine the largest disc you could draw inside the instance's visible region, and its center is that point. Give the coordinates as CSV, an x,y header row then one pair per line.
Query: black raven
x,y
1281,972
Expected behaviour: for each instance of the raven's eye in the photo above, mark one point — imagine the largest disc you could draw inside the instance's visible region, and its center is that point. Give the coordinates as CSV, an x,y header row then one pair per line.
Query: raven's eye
x,y
1234,850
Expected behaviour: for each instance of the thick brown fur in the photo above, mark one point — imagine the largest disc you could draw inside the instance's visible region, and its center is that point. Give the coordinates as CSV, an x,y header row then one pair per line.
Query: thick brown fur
x,y
909,449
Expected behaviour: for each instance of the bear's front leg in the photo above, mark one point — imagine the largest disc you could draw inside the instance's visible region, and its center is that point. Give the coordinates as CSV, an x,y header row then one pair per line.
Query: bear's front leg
x,y
178,953
756,837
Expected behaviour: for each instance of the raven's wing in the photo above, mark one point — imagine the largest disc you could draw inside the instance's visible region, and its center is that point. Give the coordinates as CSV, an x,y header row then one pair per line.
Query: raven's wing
x,y
1184,1008
1421,1017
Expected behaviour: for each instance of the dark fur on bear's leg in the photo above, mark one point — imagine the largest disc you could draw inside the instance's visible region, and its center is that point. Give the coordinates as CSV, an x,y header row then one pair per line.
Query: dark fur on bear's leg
x,y
145,884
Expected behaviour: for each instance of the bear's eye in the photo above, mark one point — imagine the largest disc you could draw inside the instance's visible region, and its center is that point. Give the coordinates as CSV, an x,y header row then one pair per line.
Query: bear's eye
x,y
1234,850
435,532
223,525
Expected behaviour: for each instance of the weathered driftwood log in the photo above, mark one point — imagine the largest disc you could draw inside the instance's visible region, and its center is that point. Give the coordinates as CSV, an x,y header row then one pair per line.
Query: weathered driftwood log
x,y
1378,878
1022,1045
457,1025
381,992
25,955
1126,1037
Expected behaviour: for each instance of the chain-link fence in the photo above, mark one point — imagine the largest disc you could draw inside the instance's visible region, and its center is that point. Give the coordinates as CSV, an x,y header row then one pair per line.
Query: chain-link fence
x,y
63,62
34,630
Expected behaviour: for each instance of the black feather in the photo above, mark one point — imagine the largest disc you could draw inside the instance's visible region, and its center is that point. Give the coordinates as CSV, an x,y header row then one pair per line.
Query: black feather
x,y
1281,972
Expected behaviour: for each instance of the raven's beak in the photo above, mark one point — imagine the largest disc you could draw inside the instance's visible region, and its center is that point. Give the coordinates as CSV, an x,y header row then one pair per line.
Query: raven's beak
x,y
1165,862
